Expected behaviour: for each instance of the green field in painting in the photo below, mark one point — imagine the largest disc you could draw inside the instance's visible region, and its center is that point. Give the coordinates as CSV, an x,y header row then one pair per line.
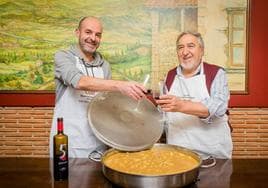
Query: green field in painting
x,y
31,31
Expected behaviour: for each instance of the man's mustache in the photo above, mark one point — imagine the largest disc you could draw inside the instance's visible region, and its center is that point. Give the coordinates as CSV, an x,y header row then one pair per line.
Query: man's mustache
x,y
93,42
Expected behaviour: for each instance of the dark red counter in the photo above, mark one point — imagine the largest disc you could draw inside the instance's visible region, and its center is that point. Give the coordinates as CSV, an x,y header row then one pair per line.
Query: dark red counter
x,y
35,172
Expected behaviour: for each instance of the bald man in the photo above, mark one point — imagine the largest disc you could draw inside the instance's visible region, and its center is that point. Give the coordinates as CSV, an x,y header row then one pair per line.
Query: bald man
x,y
81,72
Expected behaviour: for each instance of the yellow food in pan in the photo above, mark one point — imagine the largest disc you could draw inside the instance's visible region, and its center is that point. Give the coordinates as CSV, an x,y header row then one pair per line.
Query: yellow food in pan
x,y
155,161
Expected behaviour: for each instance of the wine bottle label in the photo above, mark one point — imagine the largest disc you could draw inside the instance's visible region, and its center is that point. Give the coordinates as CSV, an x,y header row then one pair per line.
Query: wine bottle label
x,y
63,151
61,163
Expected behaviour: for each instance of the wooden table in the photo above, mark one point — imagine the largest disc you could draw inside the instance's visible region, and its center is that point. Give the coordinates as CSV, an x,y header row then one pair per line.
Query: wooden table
x,y
83,173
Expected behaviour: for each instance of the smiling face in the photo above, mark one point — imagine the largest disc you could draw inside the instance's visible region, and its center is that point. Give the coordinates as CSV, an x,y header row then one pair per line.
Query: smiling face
x,y
190,52
89,35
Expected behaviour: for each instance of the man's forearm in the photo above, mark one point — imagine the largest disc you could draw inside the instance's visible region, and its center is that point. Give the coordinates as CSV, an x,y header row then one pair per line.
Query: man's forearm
x,y
194,108
97,84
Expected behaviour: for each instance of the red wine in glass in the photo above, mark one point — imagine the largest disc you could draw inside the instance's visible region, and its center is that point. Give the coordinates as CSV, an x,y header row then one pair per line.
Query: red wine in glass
x,y
156,96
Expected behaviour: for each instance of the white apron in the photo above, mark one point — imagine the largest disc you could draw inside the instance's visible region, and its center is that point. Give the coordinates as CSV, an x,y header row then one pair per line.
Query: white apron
x,y
73,106
189,131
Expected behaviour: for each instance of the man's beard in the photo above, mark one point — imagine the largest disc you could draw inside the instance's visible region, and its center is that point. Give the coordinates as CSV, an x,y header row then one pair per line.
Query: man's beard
x,y
187,66
86,49
190,67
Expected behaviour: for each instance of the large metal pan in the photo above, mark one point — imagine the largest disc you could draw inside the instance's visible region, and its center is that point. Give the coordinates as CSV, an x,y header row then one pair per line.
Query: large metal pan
x,y
163,181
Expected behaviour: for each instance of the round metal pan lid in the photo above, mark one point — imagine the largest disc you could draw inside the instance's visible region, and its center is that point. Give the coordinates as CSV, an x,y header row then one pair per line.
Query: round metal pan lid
x,y
123,123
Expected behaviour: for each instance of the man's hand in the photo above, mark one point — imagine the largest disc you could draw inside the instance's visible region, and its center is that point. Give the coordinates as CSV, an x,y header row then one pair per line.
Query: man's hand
x,y
170,103
132,89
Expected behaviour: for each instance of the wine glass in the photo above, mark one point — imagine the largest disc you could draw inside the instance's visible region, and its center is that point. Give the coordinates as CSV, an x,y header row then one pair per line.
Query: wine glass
x,y
156,94
158,91
145,81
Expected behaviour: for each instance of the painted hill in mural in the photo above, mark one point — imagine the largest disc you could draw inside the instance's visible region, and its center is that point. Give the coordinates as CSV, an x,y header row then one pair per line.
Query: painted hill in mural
x,y
32,30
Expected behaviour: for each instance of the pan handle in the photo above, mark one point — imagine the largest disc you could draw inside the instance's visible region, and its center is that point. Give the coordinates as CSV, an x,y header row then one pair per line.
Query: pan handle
x,y
210,162
95,156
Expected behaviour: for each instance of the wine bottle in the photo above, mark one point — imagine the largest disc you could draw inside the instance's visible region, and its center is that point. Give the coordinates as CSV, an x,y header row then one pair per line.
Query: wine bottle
x,y
60,153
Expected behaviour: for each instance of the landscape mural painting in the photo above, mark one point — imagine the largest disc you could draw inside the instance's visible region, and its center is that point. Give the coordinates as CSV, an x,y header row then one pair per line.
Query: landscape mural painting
x,y
139,37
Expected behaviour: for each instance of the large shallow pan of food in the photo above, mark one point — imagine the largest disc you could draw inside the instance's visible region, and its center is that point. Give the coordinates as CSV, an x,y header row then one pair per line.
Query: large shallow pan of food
x,y
161,166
